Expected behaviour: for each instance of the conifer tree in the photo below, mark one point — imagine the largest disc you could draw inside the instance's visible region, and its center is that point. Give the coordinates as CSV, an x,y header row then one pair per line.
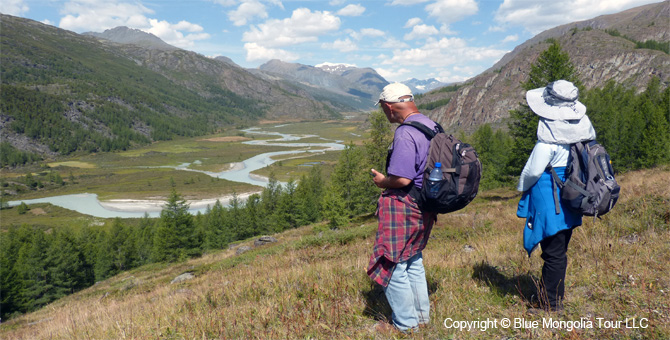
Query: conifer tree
x,y
219,227
285,215
351,191
174,239
309,195
32,268
66,265
121,246
493,150
236,217
104,263
381,136
552,64
655,141
253,222
10,282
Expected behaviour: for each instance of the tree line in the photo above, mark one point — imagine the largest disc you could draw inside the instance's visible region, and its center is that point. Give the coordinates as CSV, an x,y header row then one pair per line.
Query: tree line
x,y
38,266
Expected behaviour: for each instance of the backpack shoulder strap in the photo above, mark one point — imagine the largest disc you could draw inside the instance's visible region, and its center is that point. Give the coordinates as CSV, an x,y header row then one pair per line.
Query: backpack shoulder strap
x,y
556,182
426,130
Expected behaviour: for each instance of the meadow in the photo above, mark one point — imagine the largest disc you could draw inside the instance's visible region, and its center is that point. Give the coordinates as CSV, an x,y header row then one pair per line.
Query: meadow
x,y
142,173
312,284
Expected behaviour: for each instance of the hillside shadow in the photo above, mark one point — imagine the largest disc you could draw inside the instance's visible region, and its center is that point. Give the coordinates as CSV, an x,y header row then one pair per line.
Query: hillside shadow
x,y
376,304
523,286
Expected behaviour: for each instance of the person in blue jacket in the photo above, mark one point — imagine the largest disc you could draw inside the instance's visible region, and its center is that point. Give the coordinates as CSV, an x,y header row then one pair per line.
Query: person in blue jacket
x,y
563,121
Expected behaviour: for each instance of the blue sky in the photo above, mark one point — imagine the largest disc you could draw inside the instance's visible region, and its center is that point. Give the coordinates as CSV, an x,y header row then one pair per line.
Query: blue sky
x,y
451,40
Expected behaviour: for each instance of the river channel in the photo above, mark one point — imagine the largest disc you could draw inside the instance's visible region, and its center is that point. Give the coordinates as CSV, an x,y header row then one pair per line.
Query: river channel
x,y
87,203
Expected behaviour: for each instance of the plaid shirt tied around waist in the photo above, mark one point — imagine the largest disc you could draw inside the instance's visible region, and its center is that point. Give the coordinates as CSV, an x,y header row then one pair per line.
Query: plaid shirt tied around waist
x,y
403,232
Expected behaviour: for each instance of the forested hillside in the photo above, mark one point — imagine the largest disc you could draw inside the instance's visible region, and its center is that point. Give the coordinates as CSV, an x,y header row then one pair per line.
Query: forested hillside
x,y
63,93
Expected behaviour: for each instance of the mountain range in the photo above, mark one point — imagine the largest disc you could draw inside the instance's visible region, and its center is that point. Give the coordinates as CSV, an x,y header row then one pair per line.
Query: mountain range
x,y
601,49
93,72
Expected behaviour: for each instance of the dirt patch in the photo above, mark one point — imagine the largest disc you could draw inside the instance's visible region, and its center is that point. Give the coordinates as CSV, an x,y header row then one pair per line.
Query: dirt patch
x,y
72,164
38,211
227,139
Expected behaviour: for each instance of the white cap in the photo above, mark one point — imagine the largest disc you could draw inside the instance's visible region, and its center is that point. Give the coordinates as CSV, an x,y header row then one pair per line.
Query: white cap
x,y
393,92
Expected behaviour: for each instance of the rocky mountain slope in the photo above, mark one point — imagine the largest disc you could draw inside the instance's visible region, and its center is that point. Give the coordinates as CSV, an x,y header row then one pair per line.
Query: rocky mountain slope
x,y
125,35
201,72
601,50
344,87
422,86
348,88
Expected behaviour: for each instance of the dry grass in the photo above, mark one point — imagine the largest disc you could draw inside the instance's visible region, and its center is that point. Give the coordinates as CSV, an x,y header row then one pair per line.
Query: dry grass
x,y
312,284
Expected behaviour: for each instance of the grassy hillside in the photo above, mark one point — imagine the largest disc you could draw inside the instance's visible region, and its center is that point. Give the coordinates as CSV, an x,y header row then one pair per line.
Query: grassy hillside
x,y
312,283
71,93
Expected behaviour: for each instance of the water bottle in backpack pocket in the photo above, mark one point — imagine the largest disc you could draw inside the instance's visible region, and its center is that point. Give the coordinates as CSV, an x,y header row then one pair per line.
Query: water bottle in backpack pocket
x,y
435,181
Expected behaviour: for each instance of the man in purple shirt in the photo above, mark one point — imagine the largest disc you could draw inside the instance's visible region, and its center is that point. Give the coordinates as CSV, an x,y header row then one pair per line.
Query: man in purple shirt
x,y
397,262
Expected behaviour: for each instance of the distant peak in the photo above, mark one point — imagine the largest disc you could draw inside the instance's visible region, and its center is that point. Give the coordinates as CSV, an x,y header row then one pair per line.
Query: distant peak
x,y
335,68
126,35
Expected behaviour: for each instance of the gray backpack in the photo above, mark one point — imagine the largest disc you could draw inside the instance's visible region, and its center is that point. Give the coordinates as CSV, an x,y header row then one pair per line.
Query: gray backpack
x,y
461,172
590,188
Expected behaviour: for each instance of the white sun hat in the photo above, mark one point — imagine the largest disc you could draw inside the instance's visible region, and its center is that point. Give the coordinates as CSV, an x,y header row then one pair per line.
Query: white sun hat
x,y
557,101
393,92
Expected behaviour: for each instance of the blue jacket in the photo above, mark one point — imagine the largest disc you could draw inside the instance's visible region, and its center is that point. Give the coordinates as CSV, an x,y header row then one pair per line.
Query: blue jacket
x,y
537,207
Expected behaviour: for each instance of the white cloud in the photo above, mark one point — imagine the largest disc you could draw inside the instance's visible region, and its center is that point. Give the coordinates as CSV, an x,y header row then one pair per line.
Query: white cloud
x,y
14,7
256,52
171,33
455,76
497,29
442,53
303,26
392,74
393,43
511,38
100,15
365,32
372,32
446,30
247,11
341,45
449,11
225,3
421,31
92,15
407,2
539,16
412,22
351,10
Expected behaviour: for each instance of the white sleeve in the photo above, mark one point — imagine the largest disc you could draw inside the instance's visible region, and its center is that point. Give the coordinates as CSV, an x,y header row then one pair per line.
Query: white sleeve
x,y
535,166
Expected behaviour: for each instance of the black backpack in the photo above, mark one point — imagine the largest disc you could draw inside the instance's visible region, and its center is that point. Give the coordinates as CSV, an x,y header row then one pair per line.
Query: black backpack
x,y
461,172
590,188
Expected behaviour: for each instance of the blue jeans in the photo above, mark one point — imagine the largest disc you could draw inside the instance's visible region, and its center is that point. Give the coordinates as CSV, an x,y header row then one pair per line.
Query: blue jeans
x,y
407,293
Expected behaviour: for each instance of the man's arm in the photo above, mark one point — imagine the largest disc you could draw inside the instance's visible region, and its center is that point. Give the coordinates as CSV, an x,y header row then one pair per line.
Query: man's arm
x,y
390,182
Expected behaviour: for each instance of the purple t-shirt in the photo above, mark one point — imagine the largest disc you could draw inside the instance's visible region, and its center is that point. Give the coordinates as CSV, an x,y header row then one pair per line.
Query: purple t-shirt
x,y
410,150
